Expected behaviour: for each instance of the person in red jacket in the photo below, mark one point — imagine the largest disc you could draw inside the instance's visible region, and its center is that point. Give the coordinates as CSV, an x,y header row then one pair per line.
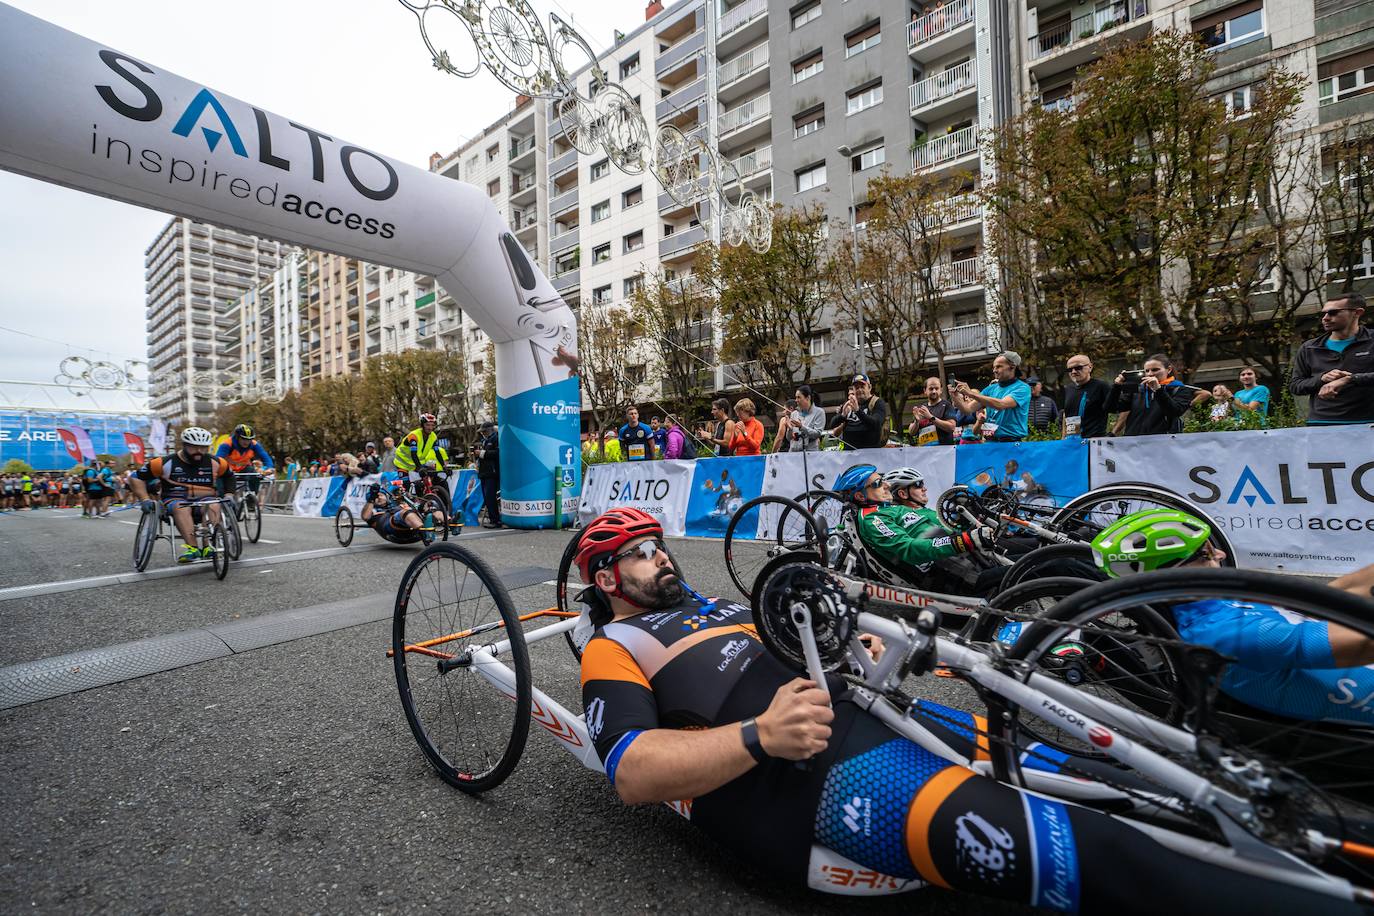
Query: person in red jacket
x,y
748,438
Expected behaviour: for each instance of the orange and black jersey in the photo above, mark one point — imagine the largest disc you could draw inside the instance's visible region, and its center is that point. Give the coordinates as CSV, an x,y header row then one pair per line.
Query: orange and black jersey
x,y
183,479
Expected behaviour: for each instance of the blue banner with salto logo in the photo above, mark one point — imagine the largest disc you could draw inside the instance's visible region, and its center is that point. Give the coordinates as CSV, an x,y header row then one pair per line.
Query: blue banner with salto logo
x,y
31,435
1039,473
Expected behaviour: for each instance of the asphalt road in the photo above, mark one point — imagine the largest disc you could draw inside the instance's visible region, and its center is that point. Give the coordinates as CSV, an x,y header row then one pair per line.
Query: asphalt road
x,y
285,779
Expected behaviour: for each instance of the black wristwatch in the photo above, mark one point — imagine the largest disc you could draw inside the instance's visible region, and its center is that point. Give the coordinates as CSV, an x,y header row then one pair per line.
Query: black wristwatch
x,y
749,731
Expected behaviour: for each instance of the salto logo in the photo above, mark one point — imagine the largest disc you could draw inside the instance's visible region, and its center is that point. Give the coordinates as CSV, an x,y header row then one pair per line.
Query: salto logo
x,y
1247,478
858,815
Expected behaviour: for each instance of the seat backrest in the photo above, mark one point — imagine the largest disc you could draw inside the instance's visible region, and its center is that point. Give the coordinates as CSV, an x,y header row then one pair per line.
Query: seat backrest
x,y
874,566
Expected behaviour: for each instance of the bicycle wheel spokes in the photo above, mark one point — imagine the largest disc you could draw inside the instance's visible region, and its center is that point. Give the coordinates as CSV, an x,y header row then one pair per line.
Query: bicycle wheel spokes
x,y
765,528
450,610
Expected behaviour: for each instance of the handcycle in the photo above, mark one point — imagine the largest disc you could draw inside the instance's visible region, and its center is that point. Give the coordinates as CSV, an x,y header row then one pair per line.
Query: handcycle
x,y
430,507
454,623
156,524
247,503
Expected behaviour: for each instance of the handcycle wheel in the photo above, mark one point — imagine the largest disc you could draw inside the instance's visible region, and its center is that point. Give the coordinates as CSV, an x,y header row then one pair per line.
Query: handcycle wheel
x,y
219,541
1326,783
253,523
1086,515
450,605
562,597
145,539
343,526
1074,560
1035,599
756,534
797,575
232,536
825,506
431,507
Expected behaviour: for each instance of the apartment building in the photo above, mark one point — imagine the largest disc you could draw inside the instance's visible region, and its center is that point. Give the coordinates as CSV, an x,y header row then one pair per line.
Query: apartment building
x,y
334,325
195,274
267,341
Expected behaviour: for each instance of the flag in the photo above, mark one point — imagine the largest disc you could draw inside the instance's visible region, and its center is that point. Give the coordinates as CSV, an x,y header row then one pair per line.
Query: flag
x,y
78,443
157,436
134,443
69,443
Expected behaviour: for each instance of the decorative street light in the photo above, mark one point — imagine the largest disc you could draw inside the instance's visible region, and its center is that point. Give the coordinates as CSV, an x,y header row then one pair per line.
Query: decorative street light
x,y
848,153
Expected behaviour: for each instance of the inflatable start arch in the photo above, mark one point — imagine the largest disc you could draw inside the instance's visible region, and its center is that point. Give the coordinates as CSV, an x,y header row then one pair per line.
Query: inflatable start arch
x,y
79,114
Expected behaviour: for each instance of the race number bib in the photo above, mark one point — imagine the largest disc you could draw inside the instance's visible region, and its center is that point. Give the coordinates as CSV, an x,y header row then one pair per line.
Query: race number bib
x,y
1072,425
928,436
989,430
636,452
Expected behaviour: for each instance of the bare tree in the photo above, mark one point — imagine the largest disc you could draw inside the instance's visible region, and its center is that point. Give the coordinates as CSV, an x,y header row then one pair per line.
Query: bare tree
x,y
605,336
675,316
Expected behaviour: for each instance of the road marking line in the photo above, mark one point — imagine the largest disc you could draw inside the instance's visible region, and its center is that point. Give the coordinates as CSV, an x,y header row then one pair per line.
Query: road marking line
x,y
266,541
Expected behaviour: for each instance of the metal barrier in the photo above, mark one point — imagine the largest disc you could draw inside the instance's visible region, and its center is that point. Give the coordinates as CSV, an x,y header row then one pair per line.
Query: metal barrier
x,y
278,495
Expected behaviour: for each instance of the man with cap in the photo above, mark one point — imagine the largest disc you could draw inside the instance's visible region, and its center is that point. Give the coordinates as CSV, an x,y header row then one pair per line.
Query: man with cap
x,y
369,461
1043,411
862,419
1006,400
489,472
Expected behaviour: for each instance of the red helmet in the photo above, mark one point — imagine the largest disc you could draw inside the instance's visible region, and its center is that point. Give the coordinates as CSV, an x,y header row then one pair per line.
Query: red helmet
x,y
608,533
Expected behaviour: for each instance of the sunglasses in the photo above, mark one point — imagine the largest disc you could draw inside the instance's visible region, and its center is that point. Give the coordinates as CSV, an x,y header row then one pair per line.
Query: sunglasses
x,y
1325,313
875,484
1076,368
646,549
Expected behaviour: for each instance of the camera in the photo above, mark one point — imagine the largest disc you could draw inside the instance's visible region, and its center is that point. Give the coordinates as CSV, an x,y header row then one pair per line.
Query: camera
x,y
1133,375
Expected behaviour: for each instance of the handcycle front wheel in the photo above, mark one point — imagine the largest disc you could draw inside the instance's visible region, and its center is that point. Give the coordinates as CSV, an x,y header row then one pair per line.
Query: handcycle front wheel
x,y
764,528
1325,781
451,610
343,526
146,538
220,559
232,536
253,523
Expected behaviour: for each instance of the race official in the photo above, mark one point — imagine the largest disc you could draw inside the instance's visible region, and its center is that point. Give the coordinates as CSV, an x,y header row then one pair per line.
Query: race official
x,y
417,448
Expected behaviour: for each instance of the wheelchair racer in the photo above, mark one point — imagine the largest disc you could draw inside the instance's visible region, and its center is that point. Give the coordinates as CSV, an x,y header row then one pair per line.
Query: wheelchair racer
x,y
188,474
393,520
684,704
1285,663
895,523
244,452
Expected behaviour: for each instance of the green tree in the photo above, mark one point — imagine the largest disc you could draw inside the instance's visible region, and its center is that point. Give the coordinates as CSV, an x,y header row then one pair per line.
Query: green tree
x,y
397,387
675,316
332,409
604,336
16,466
1145,198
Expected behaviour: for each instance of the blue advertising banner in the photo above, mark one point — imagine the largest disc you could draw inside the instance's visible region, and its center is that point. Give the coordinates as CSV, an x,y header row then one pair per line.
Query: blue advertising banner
x,y
719,487
1043,473
31,436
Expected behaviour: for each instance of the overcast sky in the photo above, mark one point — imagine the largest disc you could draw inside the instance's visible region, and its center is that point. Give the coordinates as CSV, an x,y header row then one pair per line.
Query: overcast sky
x,y
71,264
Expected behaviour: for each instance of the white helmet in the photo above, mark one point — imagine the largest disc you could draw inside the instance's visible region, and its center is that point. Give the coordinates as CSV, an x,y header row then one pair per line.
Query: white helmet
x,y
904,477
195,435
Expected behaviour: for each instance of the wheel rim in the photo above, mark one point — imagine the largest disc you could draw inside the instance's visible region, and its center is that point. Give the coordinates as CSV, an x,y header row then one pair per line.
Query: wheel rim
x,y
762,530
465,725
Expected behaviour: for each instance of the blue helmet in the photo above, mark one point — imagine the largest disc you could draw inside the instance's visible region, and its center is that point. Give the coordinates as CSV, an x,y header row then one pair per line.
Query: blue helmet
x,y
853,478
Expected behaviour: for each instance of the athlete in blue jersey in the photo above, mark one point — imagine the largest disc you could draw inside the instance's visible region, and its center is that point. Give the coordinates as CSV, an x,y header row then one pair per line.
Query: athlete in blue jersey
x,y
1285,663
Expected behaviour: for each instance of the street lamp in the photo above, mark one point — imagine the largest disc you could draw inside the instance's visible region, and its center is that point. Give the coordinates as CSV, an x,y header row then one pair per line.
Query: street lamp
x,y
845,151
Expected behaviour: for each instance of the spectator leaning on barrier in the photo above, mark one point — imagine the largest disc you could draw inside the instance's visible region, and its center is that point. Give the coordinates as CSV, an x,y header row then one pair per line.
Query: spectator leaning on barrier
x,y
636,438
1042,411
748,438
1085,400
805,424
724,429
1336,370
1005,401
862,419
1152,399
934,422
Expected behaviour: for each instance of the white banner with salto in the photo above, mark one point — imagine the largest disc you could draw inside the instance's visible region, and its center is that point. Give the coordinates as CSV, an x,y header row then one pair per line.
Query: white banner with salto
x,y
660,488
1298,500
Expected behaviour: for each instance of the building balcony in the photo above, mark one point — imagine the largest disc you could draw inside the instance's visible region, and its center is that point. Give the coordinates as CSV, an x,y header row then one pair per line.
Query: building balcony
x,y
522,188
745,73
567,280
1077,41
955,211
947,149
520,148
563,203
941,31
741,117
424,303
943,92
681,99
966,338
374,349
680,52
562,163
681,243
952,276
755,163
741,19
521,220
563,241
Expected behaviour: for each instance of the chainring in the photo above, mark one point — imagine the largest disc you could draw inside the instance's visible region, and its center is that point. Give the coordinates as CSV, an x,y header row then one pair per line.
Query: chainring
x,y
793,580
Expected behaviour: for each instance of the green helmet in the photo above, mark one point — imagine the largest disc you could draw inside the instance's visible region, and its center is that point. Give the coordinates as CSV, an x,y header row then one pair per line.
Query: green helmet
x,y
1147,540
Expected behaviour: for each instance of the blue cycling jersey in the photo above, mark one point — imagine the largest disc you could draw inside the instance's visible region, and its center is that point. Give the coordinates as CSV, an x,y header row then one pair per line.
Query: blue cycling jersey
x,y
1283,661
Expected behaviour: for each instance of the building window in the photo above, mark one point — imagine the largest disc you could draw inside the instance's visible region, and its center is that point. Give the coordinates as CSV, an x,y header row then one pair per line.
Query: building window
x,y
601,211
629,67
1239,23
493,152
867,37
601,295
634,241
819,345
866,97
601,253
808,13
808,122
1238,101
808,66
633,285
812,177
1345,77
493,187
869,158
477,367
635,375
601,169
632,198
